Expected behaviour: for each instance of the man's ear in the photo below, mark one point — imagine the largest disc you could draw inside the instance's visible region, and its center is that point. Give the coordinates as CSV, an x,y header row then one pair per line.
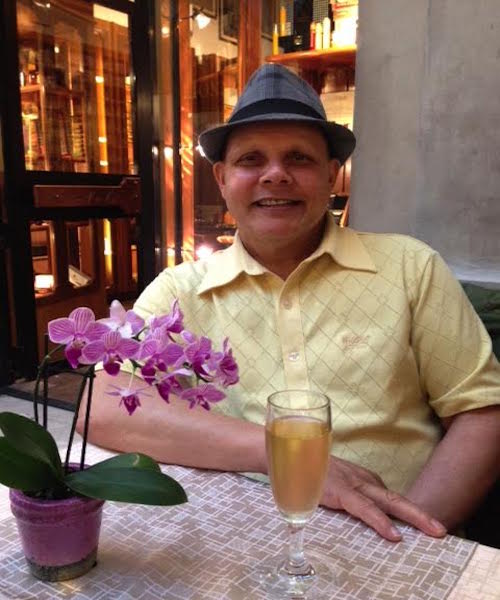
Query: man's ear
x,y
333,169
218,170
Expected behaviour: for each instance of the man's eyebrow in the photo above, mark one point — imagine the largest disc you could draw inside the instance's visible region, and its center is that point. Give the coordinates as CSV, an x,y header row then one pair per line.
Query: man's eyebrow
x,y
299,149
242,151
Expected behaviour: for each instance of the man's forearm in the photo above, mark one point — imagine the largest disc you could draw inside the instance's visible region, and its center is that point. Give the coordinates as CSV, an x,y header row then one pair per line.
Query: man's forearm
x,y
196,438
462,468
173,433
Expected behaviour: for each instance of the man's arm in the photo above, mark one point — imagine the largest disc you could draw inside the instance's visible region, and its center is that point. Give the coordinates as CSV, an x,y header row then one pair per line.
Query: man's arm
x,y
464,465
175,434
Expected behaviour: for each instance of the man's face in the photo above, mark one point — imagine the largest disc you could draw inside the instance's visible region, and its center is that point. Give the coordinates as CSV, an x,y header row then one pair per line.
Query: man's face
x,y
276,180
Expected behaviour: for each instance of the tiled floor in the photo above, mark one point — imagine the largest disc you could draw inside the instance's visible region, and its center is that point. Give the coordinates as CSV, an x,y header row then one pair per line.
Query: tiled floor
x,y
63,390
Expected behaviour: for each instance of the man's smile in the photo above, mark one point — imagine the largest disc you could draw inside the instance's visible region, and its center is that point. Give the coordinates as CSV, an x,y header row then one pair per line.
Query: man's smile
x,y
272,202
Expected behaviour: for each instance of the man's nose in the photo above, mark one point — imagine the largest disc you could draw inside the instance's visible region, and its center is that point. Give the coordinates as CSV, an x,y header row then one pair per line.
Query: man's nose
x,y
275,172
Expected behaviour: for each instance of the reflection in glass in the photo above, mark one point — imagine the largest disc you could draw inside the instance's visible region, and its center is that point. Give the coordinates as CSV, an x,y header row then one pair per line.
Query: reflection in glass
x,y
101,253
81,260
75,80
41,234
215,87
120,257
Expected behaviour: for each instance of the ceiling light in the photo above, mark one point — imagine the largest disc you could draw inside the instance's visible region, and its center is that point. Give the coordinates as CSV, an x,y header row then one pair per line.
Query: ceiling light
x,y
202,20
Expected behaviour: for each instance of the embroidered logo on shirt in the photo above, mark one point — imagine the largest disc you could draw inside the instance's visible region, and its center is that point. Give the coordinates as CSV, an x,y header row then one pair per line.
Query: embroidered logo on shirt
x,y
352,341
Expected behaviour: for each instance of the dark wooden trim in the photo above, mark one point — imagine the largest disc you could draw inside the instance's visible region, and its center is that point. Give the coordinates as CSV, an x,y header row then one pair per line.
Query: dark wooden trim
x,y
16,215
146,138
250,34
176,129
6,358
126,196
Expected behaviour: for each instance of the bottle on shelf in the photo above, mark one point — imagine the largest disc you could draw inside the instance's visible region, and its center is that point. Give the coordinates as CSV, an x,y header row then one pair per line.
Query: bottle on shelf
x,y
282,20
326,34
331,14
312,36
275,39
33,76
319,37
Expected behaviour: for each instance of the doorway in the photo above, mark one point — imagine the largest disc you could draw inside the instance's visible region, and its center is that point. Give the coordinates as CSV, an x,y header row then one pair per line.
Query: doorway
x,y
79,221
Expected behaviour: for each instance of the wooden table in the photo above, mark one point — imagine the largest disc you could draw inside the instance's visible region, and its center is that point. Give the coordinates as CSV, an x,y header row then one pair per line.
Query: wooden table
x,y
208,548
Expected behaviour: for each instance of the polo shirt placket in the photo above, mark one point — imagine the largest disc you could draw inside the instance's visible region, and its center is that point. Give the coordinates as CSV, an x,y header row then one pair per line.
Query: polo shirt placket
x,y
291,334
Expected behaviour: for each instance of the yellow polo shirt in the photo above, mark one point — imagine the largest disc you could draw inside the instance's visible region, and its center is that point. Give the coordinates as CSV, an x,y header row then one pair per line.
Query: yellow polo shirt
x,y
375,321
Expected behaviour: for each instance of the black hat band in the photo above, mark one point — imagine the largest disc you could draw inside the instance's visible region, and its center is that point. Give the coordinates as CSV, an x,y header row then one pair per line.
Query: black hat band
x,y
275,105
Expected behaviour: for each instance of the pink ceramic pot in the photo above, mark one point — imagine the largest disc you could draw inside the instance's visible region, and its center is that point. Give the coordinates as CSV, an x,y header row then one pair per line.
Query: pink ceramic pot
x,y
59,537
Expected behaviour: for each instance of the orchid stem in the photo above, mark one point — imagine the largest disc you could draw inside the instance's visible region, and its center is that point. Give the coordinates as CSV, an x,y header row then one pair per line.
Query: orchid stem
x,y
91,376
131,379
43,372
75,419
45,395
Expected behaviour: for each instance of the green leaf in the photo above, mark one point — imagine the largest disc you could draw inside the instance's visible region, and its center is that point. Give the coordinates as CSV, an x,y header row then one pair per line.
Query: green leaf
x,y
133,460
127,484
31,439
23,472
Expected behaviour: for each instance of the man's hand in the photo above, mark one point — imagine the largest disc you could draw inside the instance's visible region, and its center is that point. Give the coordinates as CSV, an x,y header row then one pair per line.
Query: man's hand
x,y
363,495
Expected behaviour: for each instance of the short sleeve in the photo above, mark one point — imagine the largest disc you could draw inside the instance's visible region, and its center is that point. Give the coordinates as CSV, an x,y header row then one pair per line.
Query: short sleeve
x,y
453,350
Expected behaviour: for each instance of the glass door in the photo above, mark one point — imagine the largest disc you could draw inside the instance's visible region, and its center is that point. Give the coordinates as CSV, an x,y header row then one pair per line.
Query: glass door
x,y
81,161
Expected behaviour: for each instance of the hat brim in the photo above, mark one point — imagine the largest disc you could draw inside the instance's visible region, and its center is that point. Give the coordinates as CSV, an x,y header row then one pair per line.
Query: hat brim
x,y
340,139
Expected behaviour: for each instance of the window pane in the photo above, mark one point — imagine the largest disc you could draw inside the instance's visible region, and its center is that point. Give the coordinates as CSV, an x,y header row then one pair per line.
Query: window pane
x,y
74,60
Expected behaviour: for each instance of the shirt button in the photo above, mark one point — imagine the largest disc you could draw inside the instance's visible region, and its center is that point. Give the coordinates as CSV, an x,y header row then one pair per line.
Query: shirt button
x,y
293,356
287,303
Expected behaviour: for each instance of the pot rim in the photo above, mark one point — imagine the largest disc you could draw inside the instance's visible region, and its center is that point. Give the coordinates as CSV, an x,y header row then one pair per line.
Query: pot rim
x,y
23,505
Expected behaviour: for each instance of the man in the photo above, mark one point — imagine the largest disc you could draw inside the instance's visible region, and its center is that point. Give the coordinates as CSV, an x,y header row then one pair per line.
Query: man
x,y
376,322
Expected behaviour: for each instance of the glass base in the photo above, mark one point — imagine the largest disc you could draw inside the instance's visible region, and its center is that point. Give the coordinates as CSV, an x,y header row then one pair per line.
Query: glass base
x,y
282,582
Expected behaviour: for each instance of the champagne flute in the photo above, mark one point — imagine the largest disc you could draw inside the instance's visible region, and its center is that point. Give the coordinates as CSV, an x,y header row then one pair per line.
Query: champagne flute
x,y
298,440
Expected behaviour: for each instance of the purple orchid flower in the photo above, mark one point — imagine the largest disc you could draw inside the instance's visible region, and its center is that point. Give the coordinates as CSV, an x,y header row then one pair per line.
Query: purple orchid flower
x,y
198,353
159,353
129,398
173,322
112,349
170,384
76,331
202,395
223,366
126,322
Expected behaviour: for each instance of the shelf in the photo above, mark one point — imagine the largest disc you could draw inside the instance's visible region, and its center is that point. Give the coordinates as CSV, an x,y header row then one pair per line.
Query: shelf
x,y
54,90
317,59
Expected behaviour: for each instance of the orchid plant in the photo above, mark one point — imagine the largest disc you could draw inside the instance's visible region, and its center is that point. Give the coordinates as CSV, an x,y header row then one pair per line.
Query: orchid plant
x,y
164,352
168,357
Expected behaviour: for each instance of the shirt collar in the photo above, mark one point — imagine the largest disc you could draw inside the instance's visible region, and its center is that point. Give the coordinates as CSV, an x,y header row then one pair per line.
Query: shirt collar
x,y
344,246
341,244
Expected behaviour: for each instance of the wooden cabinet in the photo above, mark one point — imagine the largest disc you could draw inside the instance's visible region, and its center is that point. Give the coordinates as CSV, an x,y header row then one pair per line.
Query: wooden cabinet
x,y
75,84
313,65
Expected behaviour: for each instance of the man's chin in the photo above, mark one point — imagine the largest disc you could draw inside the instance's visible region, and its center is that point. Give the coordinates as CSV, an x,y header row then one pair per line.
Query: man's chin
x,y
277,234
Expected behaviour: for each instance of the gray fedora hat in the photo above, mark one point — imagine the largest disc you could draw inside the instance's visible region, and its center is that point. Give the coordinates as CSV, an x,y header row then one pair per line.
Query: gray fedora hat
x,y
274,93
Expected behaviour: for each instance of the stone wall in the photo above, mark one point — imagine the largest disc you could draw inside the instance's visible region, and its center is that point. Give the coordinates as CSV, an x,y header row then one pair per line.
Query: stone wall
x,y
427,119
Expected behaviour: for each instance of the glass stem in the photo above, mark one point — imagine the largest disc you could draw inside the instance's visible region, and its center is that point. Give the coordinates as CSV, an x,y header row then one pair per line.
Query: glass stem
x,y
296,561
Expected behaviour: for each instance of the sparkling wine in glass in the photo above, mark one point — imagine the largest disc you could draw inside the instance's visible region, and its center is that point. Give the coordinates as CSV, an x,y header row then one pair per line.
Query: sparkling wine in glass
x,y
298,440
